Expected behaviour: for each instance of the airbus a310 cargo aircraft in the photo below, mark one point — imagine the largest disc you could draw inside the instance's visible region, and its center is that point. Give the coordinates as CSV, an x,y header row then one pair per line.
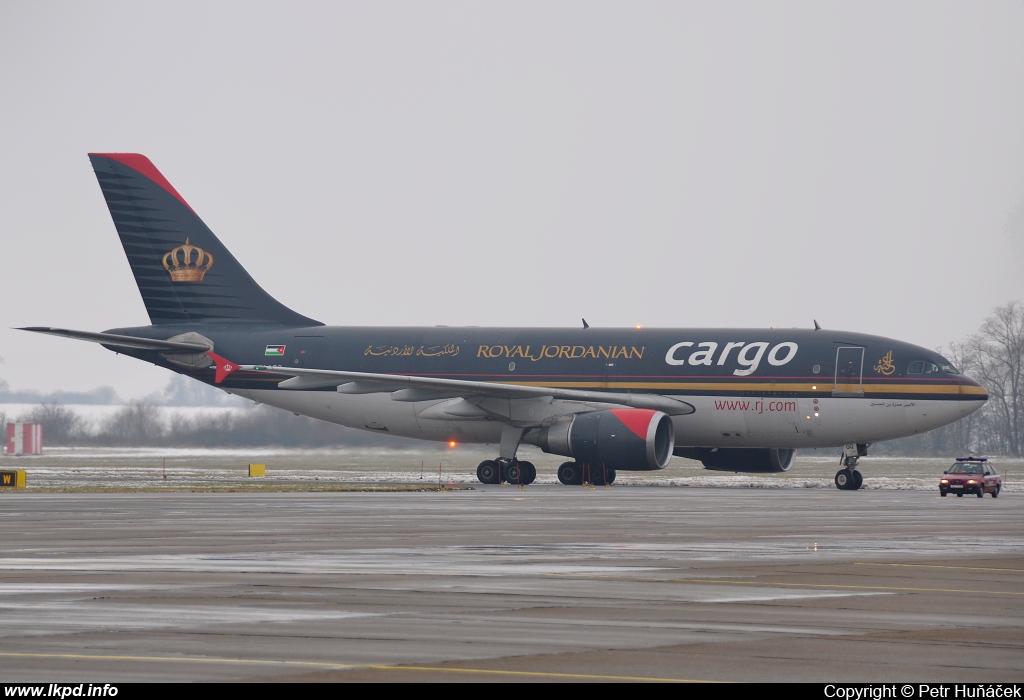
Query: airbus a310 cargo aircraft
x,y
741,400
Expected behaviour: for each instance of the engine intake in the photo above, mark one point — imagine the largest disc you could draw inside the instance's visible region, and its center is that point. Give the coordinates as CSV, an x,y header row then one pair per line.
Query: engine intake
x,y
628,439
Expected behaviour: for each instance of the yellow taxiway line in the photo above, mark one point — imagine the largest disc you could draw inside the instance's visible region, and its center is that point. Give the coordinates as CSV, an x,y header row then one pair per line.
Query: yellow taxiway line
x,y
942,566
770,584
349,667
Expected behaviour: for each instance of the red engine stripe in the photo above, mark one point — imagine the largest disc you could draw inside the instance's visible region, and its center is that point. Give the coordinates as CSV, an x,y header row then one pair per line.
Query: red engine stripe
x,y
638,420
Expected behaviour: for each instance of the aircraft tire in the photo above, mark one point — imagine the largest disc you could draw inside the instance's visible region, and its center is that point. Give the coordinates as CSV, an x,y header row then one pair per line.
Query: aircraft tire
x,y
488,472
601,476
570,474
514,472
858,480
529,472
844,480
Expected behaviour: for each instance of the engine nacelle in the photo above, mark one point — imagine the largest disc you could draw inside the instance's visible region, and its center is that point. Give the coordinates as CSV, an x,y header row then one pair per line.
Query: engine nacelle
x,y
627,439
741,459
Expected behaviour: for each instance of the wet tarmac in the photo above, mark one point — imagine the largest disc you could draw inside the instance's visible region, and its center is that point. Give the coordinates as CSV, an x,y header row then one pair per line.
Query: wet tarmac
x,y
500,584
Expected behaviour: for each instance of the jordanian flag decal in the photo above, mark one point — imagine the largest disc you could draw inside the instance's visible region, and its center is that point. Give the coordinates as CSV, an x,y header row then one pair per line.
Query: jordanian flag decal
x,y
275,350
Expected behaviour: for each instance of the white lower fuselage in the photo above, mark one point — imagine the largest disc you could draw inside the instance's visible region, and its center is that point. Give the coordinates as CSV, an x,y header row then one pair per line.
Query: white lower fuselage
x,y
732,421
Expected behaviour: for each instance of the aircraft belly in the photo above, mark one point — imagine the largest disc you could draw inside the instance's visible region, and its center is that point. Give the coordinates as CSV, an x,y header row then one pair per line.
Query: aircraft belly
x,y
740,421
873,420
375,412
750,421
825,422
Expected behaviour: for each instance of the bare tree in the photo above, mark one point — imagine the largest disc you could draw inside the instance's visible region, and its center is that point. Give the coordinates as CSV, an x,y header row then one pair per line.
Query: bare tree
x,y
962,436
61,425
138,423
999,365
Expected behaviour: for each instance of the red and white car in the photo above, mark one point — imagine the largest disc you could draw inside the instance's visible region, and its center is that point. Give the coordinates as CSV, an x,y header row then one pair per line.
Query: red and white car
x,y
971,475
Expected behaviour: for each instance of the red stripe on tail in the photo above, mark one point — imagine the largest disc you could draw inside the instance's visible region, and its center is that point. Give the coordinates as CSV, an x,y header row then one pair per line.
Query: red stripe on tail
x,y
142,164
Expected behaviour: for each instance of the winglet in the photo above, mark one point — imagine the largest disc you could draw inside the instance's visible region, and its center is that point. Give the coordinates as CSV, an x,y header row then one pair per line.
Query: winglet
x,y
224,366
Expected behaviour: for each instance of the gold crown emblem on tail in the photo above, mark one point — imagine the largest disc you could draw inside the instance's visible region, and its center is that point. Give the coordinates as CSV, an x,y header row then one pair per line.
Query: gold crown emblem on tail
x,y
187,263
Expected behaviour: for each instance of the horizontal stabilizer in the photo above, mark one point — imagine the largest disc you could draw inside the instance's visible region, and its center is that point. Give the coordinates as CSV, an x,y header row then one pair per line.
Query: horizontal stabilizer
x,y
122,341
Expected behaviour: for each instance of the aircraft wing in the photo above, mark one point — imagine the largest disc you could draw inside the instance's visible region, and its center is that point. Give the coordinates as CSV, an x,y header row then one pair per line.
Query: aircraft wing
x,y
409,388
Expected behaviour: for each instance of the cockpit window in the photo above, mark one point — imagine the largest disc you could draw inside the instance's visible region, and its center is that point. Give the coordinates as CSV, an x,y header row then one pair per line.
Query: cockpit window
x,y
926,367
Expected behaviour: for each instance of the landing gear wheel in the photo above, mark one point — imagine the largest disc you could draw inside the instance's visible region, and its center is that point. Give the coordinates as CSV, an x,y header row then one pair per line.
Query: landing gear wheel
x,y
844,480
488,472
858,480
570,474
529,473
598,475
514,472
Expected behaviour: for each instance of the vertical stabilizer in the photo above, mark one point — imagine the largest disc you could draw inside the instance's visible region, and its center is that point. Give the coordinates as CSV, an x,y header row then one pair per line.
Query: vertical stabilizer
x,y
184,273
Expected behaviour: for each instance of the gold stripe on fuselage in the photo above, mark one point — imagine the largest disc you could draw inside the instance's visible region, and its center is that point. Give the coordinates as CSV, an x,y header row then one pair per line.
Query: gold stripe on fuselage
x,y
743,387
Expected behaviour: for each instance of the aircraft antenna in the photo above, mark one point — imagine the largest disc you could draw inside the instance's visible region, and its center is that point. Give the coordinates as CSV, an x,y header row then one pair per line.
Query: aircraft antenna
x,y
816,326
585,324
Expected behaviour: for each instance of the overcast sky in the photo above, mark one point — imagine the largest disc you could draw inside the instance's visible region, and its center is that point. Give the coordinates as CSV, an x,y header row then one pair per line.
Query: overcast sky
x,y
485,163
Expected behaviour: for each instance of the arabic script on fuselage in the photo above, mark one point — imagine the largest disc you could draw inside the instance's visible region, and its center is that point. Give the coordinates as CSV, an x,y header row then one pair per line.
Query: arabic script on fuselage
x,y
448,350
885,365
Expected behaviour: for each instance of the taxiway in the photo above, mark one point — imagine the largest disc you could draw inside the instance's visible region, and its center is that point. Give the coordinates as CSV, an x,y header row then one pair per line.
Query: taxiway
x,y
501,584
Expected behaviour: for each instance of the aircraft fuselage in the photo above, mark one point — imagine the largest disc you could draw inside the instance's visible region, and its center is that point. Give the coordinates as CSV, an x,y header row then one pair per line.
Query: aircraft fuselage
x,y
750,387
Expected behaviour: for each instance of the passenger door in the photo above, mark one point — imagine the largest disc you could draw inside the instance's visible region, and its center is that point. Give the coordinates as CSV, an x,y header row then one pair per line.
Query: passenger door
x,y
849,372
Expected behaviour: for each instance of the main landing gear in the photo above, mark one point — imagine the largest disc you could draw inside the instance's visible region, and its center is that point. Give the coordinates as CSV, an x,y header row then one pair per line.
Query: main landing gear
x,y
576,474
506,468
848,478
512,471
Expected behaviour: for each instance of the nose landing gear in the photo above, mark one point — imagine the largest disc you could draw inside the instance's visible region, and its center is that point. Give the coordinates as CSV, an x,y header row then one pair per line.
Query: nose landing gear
x,y
848,478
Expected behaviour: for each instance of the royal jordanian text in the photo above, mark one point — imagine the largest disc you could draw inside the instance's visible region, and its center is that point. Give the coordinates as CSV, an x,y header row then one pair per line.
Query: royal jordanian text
x,y
923,690
564,352
60,690
748,355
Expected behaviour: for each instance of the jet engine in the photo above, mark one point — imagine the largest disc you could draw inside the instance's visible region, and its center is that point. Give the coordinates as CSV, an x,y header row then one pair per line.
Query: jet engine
x,y
628,439
741,459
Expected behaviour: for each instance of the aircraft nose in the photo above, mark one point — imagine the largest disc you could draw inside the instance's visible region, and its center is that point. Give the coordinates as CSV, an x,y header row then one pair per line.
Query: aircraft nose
x,y
972,396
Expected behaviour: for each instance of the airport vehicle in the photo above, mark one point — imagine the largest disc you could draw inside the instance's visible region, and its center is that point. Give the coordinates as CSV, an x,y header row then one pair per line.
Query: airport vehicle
x,y
741,400
971,475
